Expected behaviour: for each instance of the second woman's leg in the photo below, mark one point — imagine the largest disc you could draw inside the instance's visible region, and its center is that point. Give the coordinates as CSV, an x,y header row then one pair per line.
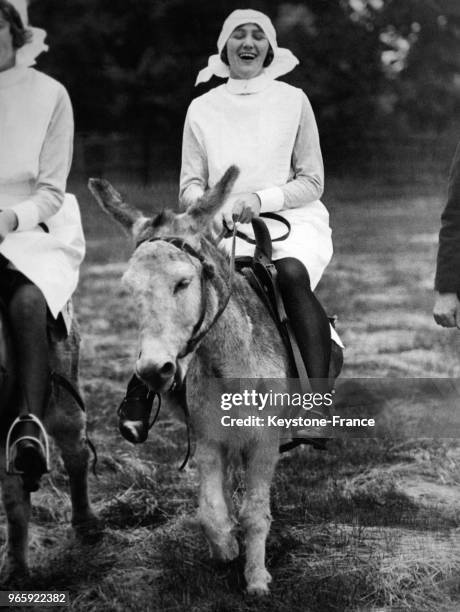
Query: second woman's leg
x,y
27,314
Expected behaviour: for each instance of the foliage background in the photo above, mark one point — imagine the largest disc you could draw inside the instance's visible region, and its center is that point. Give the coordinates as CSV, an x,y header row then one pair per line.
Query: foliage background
x,y
383,75
372,524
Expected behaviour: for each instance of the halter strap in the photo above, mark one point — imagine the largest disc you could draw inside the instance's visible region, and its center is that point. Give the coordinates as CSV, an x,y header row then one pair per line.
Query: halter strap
x,y
179,243
198,335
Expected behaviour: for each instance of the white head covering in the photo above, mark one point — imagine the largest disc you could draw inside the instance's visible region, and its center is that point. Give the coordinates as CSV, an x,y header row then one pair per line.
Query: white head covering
x,y
25,56
283,61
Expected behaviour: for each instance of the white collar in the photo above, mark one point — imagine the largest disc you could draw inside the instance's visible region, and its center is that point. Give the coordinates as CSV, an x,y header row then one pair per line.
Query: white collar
x,y
13,75
248,86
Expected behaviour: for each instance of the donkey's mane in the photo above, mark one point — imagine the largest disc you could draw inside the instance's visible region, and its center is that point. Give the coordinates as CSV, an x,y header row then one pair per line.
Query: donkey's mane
x,y
154,224
161,219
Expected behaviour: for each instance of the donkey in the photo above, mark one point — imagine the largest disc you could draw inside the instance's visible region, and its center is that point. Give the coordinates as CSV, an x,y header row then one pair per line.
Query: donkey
x,y
66,422
195,321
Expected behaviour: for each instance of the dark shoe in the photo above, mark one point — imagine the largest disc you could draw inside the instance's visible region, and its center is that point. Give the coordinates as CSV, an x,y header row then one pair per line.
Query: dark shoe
x,y
27,451
134,415
317,443
316,436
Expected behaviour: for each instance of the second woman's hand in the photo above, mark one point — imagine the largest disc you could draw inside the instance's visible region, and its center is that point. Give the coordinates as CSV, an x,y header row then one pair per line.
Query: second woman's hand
x,y
8,223
446,310
244,208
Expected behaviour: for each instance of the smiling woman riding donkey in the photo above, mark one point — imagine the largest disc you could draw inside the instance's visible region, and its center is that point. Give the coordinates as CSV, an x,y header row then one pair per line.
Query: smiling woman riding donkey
x,y
268,130
250,146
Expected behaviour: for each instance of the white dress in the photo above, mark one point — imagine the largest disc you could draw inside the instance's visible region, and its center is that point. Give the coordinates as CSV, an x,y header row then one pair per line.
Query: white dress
x,y
36,141
268,129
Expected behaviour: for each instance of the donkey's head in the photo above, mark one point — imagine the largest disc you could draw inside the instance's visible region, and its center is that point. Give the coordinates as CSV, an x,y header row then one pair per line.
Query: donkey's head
x,y
172,278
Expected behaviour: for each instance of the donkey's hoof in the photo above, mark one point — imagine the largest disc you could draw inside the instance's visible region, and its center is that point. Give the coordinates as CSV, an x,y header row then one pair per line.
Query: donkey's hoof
x,y
88,530
258,583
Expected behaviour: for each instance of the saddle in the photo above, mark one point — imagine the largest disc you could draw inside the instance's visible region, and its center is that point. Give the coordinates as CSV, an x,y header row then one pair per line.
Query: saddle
x,y
261,274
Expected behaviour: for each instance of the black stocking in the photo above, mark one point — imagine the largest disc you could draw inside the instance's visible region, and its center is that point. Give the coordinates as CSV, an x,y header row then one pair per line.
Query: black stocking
x,y
308,320
27,315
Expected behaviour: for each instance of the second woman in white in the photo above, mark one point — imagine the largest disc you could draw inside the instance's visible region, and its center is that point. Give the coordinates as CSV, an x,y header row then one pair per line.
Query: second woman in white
x,y
41,238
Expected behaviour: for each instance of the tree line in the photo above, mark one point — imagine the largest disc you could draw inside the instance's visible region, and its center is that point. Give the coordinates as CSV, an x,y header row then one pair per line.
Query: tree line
x,y
367,65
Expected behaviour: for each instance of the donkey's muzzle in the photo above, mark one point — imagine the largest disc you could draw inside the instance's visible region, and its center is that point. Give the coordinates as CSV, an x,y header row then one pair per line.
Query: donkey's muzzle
x,y
157,376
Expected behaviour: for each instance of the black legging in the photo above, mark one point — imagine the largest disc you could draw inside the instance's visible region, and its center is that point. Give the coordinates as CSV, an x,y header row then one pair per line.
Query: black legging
x,y
27,314
308,320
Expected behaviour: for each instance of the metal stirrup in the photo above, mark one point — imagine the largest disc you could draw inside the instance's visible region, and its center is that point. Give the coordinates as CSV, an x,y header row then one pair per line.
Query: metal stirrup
x,y
31,418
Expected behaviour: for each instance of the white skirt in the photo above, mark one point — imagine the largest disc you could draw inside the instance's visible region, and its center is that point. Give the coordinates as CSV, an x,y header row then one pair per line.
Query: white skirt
x,y
309,241
51,260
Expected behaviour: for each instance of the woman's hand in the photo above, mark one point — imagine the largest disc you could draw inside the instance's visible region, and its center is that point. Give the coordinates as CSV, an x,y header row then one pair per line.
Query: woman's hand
x,y
8,223
243,208
446,310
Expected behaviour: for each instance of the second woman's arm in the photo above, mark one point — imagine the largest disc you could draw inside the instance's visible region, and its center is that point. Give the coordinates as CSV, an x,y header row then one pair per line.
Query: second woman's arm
x,y
54,166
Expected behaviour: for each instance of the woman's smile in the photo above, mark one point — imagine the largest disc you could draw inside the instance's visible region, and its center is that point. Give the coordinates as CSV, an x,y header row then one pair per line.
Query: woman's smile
x,y
247,49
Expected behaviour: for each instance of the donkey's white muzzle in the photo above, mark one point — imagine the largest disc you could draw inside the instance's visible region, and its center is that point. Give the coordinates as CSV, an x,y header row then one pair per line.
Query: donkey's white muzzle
x,y
157,375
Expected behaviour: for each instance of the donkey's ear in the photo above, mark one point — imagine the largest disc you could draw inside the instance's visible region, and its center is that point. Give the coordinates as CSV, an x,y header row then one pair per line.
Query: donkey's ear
x,y
113,204
207,206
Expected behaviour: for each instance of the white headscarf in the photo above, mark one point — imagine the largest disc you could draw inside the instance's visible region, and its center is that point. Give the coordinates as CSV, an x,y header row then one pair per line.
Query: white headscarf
x,y
25,55
283,60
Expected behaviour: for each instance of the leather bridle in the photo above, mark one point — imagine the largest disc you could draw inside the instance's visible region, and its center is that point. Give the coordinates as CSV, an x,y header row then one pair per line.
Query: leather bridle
x,y
199,331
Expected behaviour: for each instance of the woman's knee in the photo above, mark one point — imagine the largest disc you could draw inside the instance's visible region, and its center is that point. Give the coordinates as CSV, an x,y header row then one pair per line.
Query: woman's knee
x,y
292,272
27,301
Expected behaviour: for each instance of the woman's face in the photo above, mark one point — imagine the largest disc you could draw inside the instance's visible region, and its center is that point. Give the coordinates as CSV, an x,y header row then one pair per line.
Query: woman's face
x,y
247,49
7,51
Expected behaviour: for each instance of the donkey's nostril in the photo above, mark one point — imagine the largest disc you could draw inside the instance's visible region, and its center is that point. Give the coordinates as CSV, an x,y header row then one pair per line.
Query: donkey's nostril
x,y
155,374
168,369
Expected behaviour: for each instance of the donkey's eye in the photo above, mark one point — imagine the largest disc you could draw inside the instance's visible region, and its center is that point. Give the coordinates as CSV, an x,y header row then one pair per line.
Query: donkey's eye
x,y
182,284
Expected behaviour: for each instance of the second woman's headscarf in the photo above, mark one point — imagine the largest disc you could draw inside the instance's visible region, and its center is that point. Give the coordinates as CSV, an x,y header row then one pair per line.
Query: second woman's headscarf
x,y
26,55
283,60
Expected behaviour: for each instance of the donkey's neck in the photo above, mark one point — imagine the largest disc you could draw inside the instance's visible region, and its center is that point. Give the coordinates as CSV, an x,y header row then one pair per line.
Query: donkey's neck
x,y
244,342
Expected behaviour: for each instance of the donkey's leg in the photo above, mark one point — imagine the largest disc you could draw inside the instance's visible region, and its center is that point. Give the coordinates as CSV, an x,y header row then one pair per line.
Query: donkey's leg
x,y
75,456
67,424
255,516
17,507
213,511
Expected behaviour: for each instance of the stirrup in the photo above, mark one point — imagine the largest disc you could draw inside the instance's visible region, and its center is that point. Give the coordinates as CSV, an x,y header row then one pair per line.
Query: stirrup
x,y
10,450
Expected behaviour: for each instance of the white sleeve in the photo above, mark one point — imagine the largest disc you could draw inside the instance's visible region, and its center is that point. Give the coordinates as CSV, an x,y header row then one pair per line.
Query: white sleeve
x,y
194,168
54,166
307,165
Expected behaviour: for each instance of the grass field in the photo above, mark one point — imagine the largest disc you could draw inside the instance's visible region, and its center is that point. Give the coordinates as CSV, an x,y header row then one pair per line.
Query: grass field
x,y
371,525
